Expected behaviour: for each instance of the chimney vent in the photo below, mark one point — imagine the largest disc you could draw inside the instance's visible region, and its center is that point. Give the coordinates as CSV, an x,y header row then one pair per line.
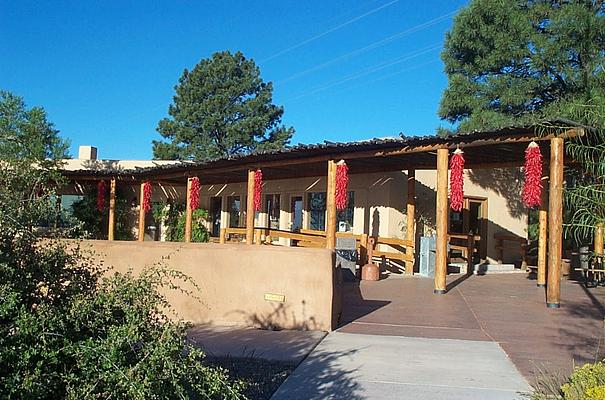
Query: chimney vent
x,y
87,153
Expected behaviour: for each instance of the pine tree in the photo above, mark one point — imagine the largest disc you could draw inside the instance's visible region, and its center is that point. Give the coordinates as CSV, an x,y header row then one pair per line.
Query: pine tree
x,y
221,108
511,61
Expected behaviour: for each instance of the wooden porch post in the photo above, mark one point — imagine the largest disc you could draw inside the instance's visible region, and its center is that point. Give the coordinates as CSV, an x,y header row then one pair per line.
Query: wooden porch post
x,y
142,213
411,216
188,212
331,206
442,214
112,210
598,239
543,234
250,208
555,223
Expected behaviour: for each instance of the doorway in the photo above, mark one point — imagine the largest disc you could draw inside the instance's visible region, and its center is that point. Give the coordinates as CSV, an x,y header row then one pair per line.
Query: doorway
x,y
215,213
296,213
272,207
472,219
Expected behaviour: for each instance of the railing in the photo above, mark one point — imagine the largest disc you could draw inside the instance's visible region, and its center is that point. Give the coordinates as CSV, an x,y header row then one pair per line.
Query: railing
x,y
467,244
404,250
397,249
226,233
303,240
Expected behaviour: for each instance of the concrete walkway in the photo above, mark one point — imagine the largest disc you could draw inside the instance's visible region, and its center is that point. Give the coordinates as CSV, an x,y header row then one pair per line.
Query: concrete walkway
x,y
358,366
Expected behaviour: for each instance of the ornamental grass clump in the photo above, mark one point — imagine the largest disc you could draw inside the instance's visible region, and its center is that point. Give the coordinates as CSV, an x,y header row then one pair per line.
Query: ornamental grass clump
x,y
70,330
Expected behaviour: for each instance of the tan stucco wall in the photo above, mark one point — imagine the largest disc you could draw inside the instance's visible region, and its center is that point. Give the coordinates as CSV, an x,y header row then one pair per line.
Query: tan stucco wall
x,y
234,280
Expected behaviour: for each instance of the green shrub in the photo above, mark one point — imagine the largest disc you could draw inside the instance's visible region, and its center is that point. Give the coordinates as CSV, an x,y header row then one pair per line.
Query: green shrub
x,y
94,222
199,233
173,217
585,383
66,331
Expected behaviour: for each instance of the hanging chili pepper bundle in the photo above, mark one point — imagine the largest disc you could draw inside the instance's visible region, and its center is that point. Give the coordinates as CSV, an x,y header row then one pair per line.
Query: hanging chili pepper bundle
x,y
258,189
532,186
101,196
194,193
457,180
342,183
147,196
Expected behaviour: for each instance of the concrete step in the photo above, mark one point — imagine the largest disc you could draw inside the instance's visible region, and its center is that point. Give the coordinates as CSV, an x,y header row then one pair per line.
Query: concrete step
x,y
482,269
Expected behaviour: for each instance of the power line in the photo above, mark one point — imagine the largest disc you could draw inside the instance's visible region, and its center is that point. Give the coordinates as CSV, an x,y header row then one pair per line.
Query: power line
x,y
340,26
370,70
387,76
371,46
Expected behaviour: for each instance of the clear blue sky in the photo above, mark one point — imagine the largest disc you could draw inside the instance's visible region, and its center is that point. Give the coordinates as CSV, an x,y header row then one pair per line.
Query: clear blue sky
x,y
343,70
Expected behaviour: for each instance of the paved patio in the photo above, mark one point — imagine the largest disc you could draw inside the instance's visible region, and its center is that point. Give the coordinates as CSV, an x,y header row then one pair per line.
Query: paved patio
x,y
507,309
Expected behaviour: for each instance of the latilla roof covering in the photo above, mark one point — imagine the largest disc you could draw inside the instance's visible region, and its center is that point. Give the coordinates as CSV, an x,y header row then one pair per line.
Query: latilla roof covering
x,y
496,146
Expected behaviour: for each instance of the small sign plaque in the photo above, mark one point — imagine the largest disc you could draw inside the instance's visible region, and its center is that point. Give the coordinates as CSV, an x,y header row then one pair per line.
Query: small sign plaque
x,y
275,297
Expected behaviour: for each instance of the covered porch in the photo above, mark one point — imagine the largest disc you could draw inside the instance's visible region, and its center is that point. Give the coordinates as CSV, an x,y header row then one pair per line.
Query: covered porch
x,y
483,151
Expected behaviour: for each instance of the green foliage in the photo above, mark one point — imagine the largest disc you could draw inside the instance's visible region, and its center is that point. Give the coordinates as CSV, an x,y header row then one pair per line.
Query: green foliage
x,y
513,61
221,108
585,192
173,218
68,332
94,222
443,132
585,383
199,233
27,133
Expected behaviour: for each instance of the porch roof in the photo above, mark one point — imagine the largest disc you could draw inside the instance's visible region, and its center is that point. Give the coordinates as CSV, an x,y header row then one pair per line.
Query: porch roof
x,y
502,147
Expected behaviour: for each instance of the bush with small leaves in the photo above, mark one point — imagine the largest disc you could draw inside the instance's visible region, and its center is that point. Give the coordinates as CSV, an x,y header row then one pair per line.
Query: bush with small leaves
x,y
70,330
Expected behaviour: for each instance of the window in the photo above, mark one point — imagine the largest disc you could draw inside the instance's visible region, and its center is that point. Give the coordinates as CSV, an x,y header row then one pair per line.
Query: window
x,y
345,217
456,222
272,207
317,213
234,208
296,209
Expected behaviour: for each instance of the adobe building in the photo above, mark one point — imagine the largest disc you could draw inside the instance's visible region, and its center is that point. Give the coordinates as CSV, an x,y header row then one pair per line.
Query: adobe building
x,y
397,193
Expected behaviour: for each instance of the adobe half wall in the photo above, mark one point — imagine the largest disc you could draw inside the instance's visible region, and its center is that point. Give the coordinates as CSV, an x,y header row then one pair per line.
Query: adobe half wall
x,y
239,284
